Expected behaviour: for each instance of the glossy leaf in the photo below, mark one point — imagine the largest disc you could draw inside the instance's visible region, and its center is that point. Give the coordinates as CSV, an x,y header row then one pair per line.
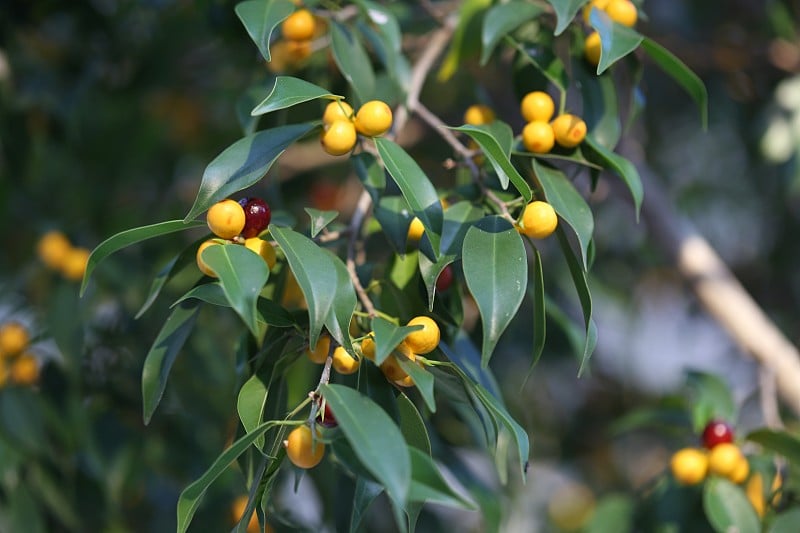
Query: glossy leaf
x,y
621,166
386,40
711,398
242,275
423,381
211,293
502,19
374,437
353,61
458,218
546,62
429,271
260,19
343,306
394,216
687,79
417,189
428,485
126,238
388,336
287,91
251,401
582,288
565,12
616,40
463,43
365,493
316,275
466,356
568,203
780,442
190,498
273,314
601,109
320,219
539,309
412,426
167,272
727,508
244,163
162,354
498,157
495,269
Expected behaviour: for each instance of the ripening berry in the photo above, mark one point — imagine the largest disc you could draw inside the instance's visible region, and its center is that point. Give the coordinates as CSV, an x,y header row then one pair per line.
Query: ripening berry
x,y
569,130
299,26
14,338
539,220
537,106
257,216
622,12
724,458
53,248
445,279
374,118
339,137
226,219
74,265
320,352
478,114
343,362
538,137
415,230
592,47
424,340
689,466
337,110
24,370
301,448
262,248
717,432
368,347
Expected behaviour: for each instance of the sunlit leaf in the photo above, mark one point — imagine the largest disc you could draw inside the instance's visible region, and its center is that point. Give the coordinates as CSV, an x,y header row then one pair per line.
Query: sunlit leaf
x,y
616,40
423,381
286,92
320,219
260,18
352,60
565,12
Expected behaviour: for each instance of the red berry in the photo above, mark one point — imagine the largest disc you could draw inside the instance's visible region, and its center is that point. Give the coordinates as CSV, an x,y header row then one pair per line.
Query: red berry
x,y
445,279
717,432
327,419
257,216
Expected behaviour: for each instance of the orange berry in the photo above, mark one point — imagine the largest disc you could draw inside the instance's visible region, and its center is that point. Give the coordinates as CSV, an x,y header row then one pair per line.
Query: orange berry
x,y
569,130
53,248
539,220
391,368
202,265
478,114
301,448
592,47
339,137
337,110
538,137
368,348
299,26
374,118
622,12
262,248
689,466
25,370
74,266
343,362
14,338
226,219
415,230
587,9
320,352
424,340
724,458
537,106
740,473
237,510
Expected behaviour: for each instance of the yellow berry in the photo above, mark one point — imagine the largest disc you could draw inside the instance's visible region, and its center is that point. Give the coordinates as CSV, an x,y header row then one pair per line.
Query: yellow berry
x,y
415,230
53,248
202,265
689,466
237,510
320,352
740,473
407,381
478,114
622,12
538,137
724,458
539,220
537,106
262,248
75,262
339,137
226,219
298,50
343,362
374,118
569,130
25,370
301,449
391,368
424,340
299,26
592,47
337,110
368,348
14,338
587,9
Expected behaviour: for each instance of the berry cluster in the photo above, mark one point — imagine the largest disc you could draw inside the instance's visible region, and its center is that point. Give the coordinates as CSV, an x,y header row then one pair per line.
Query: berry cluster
x,y
57,253
341,125
298,29
238,222
620,11
17,364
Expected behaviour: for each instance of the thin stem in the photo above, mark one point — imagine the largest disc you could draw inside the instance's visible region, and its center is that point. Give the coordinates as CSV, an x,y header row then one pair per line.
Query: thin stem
x,y
363,206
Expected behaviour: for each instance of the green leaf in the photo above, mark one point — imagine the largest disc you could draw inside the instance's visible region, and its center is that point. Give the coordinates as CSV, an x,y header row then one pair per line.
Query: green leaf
x,y
162,354
314,272
600,109
539,310
287,91
458,218
251,401
423,380
365,493
261,17
621,166
412,426
503,19
242,275
711,398
463,44
353,61
430,272
428,485
375,438
189,499
565,12
727,508
320,219
585,297
392,213
388,336
616,40
21,421
495,269
343,306
175,265
273,314
780,442
545,61
498,157
244,163
211,293
786,522
417,189
687,79
568,203
132,236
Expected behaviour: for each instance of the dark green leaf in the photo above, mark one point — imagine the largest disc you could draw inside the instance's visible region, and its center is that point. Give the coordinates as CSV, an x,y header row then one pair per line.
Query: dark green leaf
x,y
681,74
621,166
385,36
786,522
260,18
727,508
601,110
371,174
242,275
251,401
375,438
132,236
780,442
711,398
365,493
539,310
430,272
463,44
465,355
320,219
498,157
394,217
21,421
428,485
412,426
546,62
176,264
458,218
208,292
273,314
244,163
568,203
616,40
565,12
495,269
388,336
287,91
417,189
353,61
343,306
423,380
162,354
502,19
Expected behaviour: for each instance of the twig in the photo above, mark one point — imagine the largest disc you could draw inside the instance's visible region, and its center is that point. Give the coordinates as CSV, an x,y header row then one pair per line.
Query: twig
x,y
768,393
363,206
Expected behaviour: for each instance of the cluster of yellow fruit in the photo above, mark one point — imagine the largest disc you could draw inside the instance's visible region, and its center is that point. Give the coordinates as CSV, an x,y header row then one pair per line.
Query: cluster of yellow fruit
x,y
373,119
57,252
298,30
16,363
540,134
620,11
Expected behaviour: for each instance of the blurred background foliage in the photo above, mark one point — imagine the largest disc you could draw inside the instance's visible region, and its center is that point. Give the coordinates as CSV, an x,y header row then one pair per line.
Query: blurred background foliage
x,y
109,112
